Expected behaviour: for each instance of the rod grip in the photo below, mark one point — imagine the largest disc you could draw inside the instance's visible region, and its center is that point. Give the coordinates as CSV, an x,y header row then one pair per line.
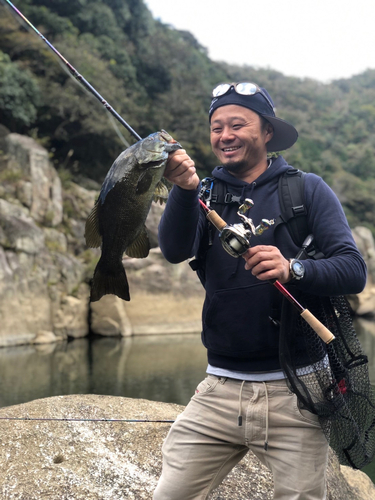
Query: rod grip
x,y
317,326
216,220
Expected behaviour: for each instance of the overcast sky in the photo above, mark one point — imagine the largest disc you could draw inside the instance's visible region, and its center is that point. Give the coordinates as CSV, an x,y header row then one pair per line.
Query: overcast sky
x,y
320,39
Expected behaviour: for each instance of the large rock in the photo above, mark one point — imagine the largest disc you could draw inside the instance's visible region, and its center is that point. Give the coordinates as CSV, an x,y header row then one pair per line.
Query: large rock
x,y
42,291
363,304
70,318
42,285
70,451
109,318
165,298
39,187
18,231
366,245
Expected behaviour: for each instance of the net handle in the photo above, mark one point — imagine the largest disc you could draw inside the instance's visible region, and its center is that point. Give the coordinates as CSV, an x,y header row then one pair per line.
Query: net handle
x,y
317,326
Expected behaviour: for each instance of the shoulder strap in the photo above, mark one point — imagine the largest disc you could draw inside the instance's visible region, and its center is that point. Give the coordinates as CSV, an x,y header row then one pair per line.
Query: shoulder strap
x,y
216,192
292,202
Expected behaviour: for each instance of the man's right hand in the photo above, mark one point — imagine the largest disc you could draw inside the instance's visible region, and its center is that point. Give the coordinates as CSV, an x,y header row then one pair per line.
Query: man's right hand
x,y
180,170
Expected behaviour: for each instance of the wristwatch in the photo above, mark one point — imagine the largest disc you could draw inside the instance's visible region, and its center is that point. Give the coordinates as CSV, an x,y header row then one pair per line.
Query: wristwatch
x,y
297,269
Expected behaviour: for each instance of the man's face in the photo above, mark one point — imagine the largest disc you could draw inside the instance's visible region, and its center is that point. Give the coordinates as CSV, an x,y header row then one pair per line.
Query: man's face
x,y
238,139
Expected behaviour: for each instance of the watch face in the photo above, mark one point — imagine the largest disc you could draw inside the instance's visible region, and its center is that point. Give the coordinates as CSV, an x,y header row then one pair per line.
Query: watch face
x,y
298,268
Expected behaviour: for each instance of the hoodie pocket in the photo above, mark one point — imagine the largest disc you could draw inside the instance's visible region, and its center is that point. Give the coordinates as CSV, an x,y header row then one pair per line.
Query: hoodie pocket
x,y
237,322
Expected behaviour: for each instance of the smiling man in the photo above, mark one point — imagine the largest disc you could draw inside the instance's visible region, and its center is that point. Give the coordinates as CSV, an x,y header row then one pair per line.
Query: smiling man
x,y
245,403
238,138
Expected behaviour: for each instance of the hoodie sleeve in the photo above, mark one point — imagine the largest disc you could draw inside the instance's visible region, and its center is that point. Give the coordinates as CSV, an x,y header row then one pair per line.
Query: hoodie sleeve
x,y
342,271
181,225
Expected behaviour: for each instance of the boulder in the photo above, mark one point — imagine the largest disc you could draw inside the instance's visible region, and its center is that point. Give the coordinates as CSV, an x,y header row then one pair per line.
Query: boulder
x,y
109,318
165,298
21,234
78,203
366,245
39,280
70,318
40,186
89,447
42,291
363,304
44,337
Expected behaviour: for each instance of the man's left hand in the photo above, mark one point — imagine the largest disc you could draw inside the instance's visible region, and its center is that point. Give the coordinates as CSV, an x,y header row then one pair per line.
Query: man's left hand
x,y
267,263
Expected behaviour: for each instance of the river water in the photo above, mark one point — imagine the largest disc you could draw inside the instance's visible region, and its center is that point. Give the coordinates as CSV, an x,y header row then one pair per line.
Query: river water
x,y
161,368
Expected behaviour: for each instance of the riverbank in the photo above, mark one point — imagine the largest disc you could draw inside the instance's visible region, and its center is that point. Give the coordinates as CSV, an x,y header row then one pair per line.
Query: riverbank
x,y
70,450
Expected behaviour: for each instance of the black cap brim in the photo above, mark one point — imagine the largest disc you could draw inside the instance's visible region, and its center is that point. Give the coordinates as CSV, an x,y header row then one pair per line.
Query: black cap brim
x,y
284,134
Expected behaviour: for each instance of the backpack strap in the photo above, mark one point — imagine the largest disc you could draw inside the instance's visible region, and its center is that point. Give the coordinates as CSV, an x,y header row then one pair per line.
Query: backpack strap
x,y
292,203
294,212
217,193
214,193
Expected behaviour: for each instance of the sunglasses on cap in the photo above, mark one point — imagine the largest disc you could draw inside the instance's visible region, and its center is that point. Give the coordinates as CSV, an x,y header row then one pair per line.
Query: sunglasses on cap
x,y
243,88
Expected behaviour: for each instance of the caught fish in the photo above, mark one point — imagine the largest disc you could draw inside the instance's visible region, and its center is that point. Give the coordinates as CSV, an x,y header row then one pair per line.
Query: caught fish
x,y
117,221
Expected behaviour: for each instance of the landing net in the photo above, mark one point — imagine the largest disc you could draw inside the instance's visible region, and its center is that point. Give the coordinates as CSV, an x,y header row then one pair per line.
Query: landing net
x,y
331,381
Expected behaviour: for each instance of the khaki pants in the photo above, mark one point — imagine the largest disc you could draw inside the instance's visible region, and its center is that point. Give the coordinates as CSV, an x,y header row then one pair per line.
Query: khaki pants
x,y
206,442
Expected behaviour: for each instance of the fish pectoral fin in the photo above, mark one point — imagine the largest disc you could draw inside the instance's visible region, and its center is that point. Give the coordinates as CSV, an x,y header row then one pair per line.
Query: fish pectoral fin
x,y
140,247
92,233
144,182
161,192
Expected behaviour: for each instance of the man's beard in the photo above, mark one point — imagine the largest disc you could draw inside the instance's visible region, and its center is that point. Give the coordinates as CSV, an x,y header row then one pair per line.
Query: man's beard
x,y
235,166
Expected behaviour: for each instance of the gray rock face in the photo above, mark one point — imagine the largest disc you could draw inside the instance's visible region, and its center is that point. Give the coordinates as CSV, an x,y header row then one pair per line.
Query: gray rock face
x,y
364,303
37,277
40,188
86,459
109,318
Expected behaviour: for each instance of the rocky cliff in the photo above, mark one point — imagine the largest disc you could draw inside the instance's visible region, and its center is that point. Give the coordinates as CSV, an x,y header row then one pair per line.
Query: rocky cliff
x,y
45,267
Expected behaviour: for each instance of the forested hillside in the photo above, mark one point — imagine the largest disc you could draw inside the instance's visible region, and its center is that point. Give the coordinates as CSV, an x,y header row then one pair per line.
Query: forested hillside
x,y
158,77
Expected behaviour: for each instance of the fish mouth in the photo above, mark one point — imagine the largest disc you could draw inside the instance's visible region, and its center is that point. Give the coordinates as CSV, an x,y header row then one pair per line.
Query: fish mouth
x,y
155,164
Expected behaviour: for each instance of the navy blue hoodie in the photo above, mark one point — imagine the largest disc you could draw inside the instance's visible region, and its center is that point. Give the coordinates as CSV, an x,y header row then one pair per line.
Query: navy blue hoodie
x,y
237,331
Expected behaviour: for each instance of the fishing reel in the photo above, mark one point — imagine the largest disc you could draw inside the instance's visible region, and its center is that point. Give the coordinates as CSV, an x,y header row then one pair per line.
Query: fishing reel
x,y
235,238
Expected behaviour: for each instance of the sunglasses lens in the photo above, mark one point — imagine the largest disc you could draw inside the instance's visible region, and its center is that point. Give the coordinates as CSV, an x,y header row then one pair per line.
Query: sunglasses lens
x,y
220,89
246,88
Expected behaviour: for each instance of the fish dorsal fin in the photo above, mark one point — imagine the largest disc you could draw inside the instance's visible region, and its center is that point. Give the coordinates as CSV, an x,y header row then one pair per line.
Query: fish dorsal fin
x,y
92,233
140,247
161,192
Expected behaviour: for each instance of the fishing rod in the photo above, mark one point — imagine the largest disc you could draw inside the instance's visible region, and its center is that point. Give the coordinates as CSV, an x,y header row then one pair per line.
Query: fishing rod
x,y
235,239
75,73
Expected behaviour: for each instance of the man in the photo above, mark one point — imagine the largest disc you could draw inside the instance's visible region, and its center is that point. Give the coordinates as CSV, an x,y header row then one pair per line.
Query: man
x,y
244,403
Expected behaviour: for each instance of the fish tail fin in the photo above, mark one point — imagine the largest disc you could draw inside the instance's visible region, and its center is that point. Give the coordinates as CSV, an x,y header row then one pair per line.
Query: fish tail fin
x,y
109,281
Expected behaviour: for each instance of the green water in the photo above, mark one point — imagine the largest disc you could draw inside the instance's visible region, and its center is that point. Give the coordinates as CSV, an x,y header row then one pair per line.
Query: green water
x,y
370,471
161,368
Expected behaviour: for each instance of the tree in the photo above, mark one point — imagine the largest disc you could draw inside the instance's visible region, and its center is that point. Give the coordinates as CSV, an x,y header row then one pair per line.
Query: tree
x,y
19,95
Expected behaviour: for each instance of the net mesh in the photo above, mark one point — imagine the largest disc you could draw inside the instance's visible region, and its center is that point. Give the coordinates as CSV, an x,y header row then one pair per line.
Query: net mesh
x,y
331,380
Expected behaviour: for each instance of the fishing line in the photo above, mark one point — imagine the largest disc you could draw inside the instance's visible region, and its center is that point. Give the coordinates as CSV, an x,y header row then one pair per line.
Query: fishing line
x,y
72,71
116,129
47,419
